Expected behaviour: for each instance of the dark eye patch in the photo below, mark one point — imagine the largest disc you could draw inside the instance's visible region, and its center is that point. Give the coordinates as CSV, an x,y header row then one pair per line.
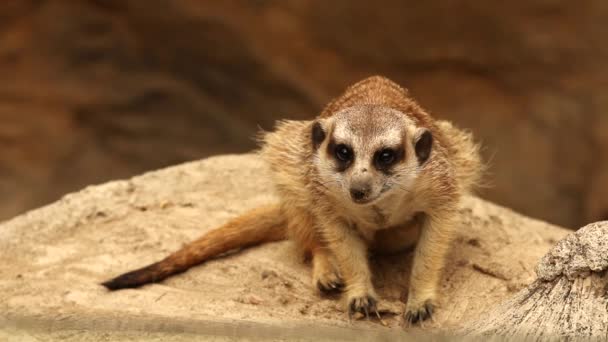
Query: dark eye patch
x,y
342,153
386,158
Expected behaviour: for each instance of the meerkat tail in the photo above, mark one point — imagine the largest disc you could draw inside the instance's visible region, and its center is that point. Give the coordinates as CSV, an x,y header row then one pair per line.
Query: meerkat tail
x,y
265,224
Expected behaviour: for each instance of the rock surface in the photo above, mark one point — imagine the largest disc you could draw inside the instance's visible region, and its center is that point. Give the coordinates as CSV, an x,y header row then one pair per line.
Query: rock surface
x,y
53,259
98,90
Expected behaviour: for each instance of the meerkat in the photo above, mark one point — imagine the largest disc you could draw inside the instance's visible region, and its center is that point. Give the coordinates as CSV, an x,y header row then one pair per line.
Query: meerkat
x,y
374,172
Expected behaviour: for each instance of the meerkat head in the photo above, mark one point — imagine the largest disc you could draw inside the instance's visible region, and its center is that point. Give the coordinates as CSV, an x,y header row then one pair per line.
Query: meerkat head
x,y
364,153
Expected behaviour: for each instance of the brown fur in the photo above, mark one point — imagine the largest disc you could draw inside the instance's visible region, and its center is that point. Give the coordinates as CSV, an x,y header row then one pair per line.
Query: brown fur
x,y
265,224
314,212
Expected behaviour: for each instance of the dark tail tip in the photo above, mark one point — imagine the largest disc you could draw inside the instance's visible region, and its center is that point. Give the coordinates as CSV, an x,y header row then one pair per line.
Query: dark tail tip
x,y
137,278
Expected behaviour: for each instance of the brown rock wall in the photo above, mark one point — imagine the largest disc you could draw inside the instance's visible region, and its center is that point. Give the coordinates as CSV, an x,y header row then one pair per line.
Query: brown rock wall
x,y
98,90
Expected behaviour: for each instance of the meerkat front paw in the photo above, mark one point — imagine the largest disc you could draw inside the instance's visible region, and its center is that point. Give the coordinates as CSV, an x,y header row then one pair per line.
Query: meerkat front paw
x,y
363,303
417,311
328,282
325,276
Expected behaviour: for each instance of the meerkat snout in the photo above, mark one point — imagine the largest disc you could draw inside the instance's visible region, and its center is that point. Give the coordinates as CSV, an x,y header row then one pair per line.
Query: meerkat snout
x,y
361,186
360,194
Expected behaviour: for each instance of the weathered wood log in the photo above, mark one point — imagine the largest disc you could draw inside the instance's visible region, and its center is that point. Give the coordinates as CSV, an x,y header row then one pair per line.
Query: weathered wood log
x,y
568,299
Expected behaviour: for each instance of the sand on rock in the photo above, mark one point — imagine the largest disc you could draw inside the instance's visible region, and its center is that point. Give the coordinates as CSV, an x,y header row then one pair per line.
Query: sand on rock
x,y
54,258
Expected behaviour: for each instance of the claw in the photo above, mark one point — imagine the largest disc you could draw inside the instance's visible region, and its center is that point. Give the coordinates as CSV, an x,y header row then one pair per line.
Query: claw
x,y
362,305
419,315
330,288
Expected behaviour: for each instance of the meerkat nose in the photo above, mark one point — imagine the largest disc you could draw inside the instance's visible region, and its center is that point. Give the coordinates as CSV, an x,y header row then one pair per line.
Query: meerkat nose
x,y
358,194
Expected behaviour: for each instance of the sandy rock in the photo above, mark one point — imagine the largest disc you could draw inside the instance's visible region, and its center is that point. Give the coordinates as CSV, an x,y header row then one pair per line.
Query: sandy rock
x,y
54,258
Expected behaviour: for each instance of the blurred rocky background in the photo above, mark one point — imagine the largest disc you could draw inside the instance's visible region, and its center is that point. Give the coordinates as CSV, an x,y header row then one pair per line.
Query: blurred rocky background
x,y
98,90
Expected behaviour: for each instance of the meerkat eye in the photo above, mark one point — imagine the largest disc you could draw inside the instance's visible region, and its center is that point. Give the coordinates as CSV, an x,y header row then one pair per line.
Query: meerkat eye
x,y
386,156
344,153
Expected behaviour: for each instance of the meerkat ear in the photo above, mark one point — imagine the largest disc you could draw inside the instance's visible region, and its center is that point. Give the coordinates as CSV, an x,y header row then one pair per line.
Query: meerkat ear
x,y
318,134
423,145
